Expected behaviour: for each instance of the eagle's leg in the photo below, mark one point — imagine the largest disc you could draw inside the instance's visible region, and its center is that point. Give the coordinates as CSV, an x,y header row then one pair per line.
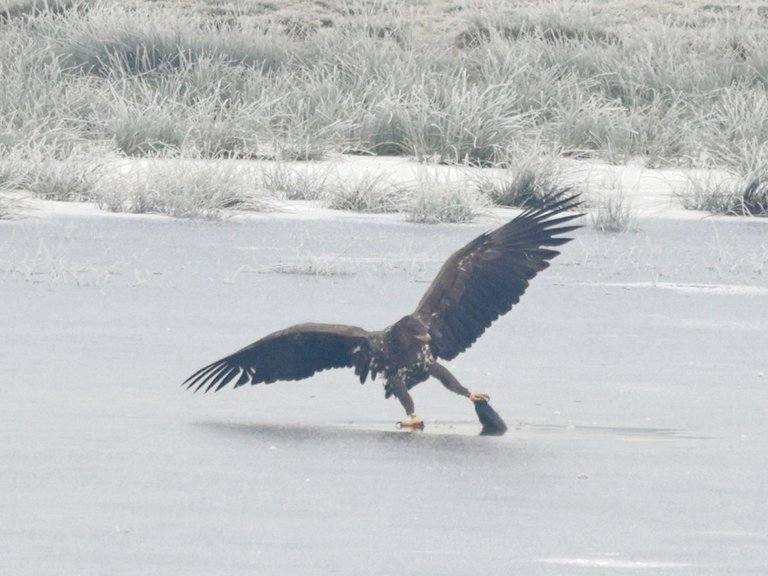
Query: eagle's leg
x,y
449,381
400,390
492,423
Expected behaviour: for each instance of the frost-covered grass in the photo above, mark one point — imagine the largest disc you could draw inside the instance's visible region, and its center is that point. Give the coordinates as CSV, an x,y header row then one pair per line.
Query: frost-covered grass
x,y
6,206
613,213
71,176
182,189
470,83
12,9
439,197
290,181
730,196
369,191
529,180
311,266
611,210
297,80
426,193
49,264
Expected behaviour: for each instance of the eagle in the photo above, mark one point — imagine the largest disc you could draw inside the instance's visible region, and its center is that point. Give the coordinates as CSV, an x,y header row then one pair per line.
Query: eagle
x,y
476,285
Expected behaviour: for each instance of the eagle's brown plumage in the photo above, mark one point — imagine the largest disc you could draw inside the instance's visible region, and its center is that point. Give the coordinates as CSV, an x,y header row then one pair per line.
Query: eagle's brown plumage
x,y
291,354
476,285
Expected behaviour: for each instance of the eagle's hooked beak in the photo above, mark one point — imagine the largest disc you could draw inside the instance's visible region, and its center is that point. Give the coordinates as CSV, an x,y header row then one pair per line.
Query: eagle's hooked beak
x,y
424,337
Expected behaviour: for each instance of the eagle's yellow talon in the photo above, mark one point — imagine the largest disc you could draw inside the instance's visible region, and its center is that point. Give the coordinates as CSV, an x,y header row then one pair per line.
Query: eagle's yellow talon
x,y
478,396
414,423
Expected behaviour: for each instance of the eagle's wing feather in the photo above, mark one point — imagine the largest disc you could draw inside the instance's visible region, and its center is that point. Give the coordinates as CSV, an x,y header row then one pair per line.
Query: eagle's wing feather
x,y
291,354
485,278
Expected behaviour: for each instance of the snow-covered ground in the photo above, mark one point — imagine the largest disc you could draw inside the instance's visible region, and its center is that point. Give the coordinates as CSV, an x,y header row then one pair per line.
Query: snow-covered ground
x,y
633,376
646,192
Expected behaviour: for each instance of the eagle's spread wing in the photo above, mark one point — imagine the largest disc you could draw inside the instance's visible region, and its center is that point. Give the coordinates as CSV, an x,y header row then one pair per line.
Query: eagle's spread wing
x,y
291,354
483,280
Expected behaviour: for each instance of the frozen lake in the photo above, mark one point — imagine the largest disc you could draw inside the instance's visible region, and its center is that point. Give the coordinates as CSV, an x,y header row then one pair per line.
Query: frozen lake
x,y
633,376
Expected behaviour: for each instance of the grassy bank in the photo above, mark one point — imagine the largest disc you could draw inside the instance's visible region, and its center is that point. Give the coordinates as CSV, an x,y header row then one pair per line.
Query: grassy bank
x,y
475,82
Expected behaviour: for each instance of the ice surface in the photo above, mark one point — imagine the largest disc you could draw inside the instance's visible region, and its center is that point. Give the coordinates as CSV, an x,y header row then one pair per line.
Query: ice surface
x,y
637,414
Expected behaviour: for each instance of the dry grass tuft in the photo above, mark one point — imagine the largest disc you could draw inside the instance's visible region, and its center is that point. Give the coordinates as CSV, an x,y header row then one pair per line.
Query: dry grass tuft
x,y
370,191
531,179
437,198
610,209
728,196
290,181
183,189
7,205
